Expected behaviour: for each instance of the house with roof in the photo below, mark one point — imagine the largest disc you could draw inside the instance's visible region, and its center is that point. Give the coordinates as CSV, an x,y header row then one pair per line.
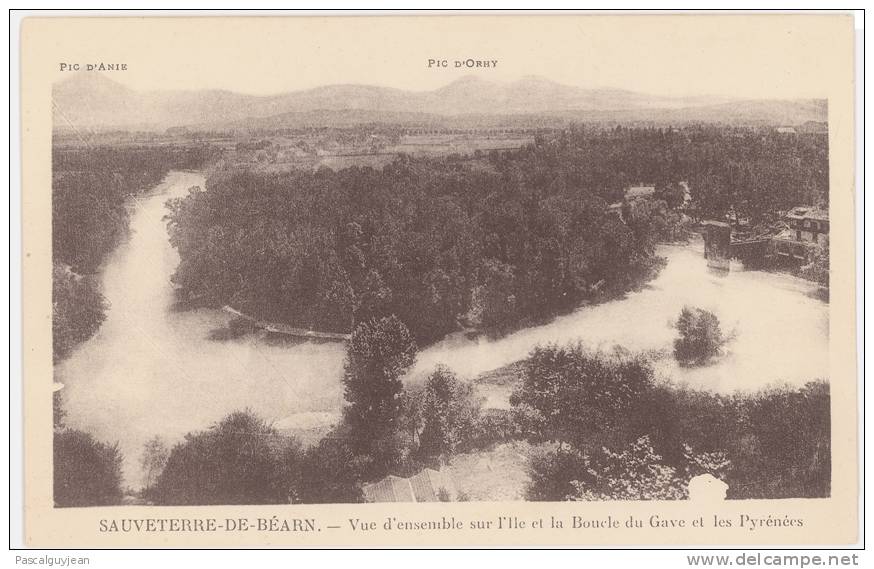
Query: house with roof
x,y
806,227
634,193
641,200
635,200
808,224
428,485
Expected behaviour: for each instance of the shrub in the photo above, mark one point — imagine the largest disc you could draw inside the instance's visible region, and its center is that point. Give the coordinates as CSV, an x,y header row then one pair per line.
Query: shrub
x,y
494,426
818,268
634,473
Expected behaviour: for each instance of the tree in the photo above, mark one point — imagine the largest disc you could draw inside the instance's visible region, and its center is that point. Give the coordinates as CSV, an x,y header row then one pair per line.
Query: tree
x,y
700,337
449,413
78,310
153,460
576,394
239,460
494,303
330,473
86,472
774,443
379,352
90,188
673,194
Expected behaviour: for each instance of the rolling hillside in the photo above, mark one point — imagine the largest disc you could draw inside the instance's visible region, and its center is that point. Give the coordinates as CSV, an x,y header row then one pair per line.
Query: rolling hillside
x,y
91,100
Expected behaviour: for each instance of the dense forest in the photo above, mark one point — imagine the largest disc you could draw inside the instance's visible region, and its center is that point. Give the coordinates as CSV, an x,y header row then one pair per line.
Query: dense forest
x,y
434,244
91,189
401,256
492,241
757,172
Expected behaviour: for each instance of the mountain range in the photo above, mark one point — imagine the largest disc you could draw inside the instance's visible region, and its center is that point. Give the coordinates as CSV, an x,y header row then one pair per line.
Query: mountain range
x,y
92,100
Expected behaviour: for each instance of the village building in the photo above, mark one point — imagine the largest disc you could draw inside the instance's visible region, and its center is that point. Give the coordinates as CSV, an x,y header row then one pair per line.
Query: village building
x,y
806,227
809,224
724,242
634,193
636,200
641,200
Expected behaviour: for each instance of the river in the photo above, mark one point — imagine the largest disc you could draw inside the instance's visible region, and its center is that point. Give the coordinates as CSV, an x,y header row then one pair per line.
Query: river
x,y
153,370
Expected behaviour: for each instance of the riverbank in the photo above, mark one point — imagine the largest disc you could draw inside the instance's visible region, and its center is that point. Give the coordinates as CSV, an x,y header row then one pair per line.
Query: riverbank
x,y
642,321
153,370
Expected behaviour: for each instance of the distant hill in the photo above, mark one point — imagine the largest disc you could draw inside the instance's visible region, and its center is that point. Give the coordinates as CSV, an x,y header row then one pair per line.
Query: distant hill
x,y
92,100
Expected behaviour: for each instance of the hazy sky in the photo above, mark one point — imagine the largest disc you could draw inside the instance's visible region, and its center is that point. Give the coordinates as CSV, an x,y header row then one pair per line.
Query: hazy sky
x,y
668,55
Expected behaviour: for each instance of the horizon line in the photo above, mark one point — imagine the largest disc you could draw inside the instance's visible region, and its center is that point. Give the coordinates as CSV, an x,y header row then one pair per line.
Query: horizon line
x,y
467,77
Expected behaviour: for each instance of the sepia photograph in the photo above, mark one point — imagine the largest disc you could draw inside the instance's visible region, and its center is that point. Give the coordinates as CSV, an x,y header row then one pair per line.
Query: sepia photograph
x,y
439,277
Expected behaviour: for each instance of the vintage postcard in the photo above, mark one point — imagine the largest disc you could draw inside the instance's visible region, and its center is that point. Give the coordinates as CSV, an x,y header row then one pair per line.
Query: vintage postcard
x,y
433,279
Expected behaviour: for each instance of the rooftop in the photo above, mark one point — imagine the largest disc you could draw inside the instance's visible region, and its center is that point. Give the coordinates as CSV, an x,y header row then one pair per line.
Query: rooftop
x,y
639,192
389,489
807,212
423,487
